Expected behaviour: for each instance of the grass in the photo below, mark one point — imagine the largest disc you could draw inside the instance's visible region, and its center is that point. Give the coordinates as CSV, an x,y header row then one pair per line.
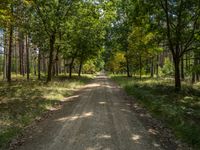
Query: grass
x,y
21,102
179,111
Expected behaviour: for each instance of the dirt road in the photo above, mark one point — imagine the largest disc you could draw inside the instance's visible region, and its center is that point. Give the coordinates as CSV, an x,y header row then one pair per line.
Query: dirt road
x,y
97,118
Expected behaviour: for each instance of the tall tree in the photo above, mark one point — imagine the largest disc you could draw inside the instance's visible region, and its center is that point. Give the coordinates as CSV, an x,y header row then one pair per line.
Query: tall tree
x,y
181,18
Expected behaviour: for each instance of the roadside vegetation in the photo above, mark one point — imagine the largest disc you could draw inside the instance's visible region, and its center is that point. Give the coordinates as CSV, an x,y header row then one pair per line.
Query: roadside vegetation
x,y
44,43
22,102
179,111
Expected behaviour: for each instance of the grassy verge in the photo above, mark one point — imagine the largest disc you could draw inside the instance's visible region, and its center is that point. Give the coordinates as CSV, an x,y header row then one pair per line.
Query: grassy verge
x,y
22,102
180,111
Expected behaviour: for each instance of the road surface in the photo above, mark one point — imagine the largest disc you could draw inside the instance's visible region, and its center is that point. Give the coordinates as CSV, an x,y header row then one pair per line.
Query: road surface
x,y
96,118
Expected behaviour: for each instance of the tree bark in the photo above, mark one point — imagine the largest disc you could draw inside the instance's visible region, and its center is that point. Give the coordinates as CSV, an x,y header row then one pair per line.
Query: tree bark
x,y
27,59
140,61
39,65
182,69
127,67
71,67
80,68
177,74
52,42
152,68
10,54
5,56
157,67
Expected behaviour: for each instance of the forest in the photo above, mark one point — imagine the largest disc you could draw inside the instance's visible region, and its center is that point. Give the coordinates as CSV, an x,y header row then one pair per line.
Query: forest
x,y
150,48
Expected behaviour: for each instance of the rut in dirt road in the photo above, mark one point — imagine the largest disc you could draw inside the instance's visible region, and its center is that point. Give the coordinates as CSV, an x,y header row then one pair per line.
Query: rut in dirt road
x,y
97,118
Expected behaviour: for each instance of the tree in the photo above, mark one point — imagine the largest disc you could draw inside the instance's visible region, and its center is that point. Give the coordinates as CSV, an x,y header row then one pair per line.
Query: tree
x,y
52,15
181,19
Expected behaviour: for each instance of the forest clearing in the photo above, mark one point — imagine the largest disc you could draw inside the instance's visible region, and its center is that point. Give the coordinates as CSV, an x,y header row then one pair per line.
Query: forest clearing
x,y
70,70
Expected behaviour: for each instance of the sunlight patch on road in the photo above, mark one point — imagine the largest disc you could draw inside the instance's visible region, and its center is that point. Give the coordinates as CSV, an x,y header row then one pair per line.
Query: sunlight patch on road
x,y
92,85
108,86
70,98
124,110
75,117
102,103
153,131
136,138
104,136
97,148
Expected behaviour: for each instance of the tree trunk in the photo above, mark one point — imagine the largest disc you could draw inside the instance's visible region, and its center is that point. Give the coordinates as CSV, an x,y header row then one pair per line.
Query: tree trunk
x,y
152,68
194,72
21,53
5,56
197,73
127,67
5,64
10,54
157,67
177,74
140,67
39,65
182,68
16,55
56,65
71,67
80,68
52,42
44,64
27,59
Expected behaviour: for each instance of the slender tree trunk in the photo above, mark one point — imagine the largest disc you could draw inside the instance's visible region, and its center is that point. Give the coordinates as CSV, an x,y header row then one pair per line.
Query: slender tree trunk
x,y
157,67
27,59
39,65
52,42
197,73
127,67
5,56
5,64
140,67
80,68
71,67
16,55
193,78
152,68
21,53
56,64
65,68
44,64
10,54
194,73
182,68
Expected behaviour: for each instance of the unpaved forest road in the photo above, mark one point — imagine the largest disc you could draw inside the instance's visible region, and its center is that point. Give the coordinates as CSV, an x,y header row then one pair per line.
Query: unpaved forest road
x,y
97,118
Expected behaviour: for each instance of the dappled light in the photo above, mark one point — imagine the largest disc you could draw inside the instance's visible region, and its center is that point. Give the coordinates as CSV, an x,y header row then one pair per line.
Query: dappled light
x,y
100,74
93,85
75,117
153,131
136,138
70,98
104,136
102,103
125,110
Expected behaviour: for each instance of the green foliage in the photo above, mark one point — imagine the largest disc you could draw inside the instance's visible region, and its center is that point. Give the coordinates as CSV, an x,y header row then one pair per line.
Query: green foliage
x,y
116,64
168,68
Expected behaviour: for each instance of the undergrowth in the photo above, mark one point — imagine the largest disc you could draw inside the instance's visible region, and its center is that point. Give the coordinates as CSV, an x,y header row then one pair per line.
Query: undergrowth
x,y
180,111
21,102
